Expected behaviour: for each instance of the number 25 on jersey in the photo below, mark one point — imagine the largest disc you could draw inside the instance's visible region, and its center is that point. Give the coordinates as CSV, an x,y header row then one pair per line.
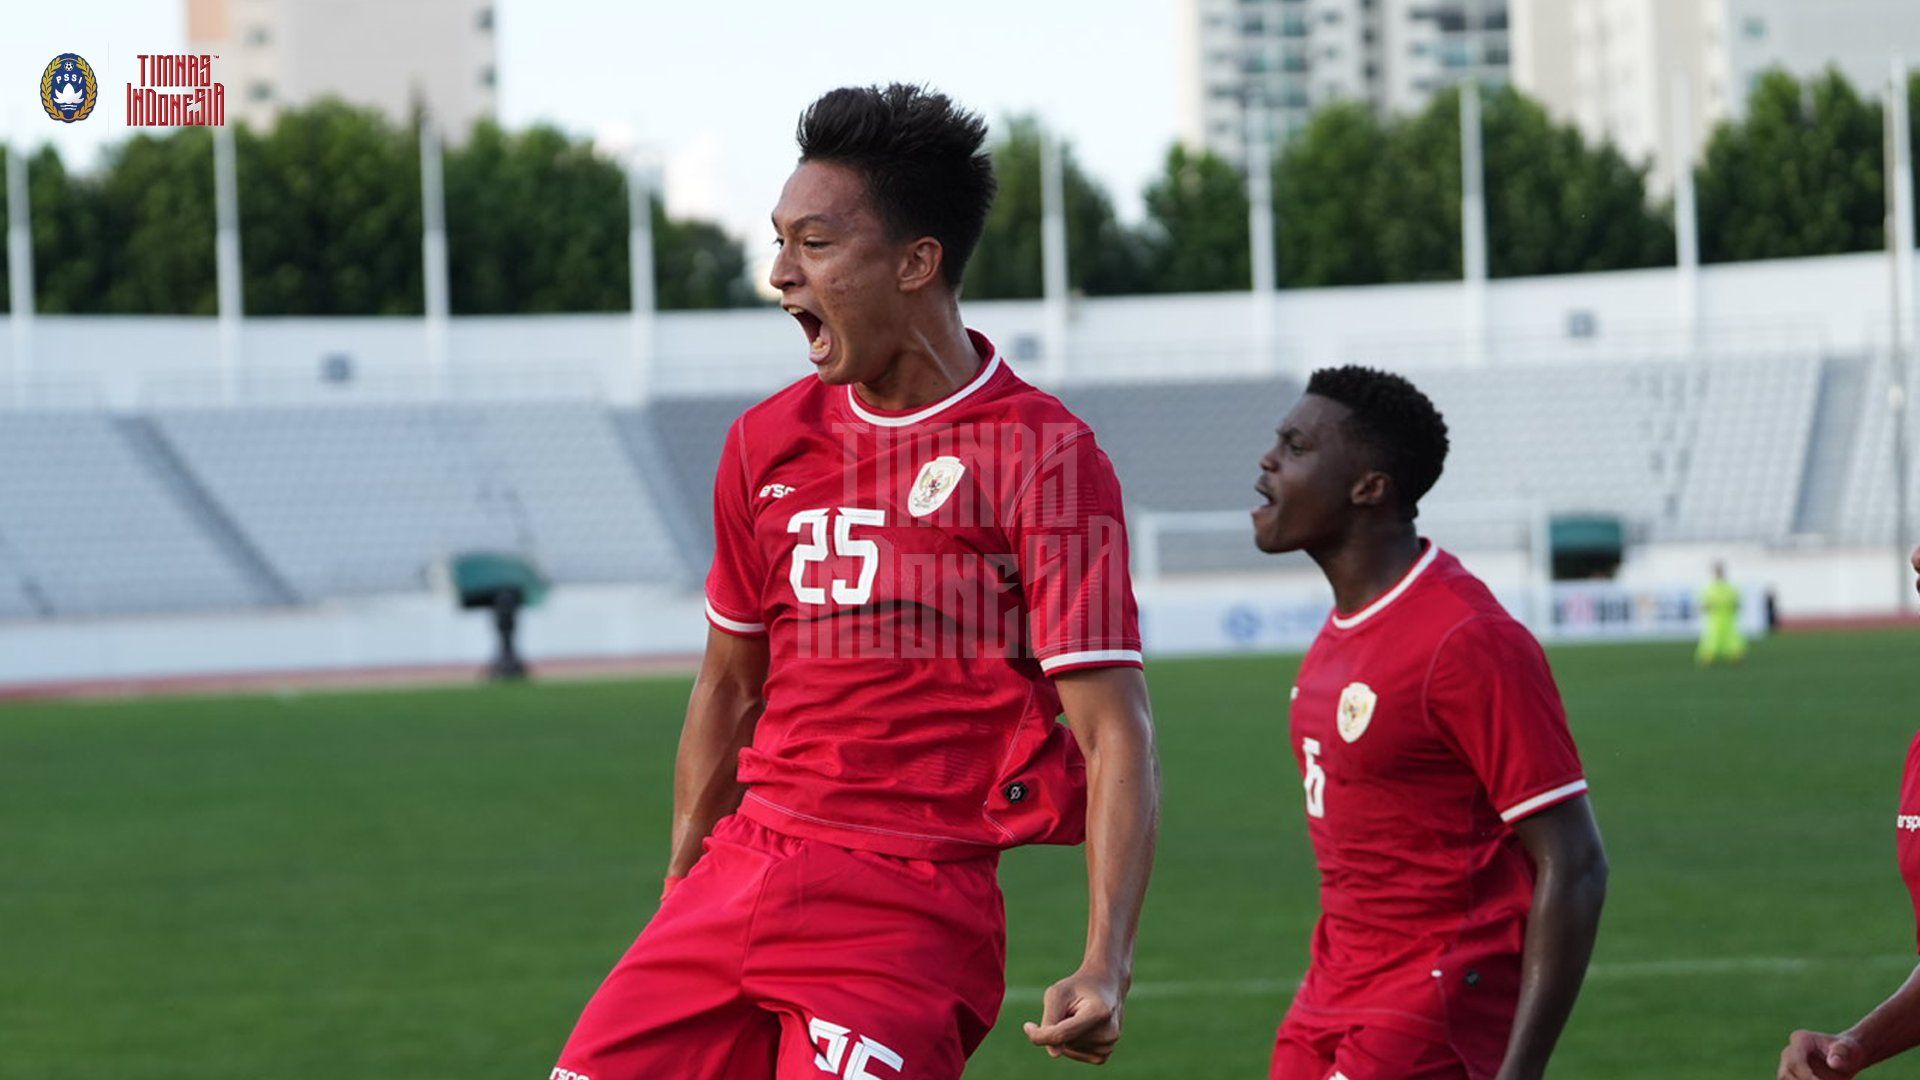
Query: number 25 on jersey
x,y
816,547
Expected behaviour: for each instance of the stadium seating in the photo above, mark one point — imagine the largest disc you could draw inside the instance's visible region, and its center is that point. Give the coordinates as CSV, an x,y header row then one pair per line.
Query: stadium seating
x,y
1682,451
1749,450
1181,447
1868,505
185,508
88,527
1830,444
681,437
363,499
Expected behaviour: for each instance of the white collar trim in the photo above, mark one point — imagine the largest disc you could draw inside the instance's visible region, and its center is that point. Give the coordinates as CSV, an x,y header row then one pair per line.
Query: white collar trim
x,y
1348,622
987,372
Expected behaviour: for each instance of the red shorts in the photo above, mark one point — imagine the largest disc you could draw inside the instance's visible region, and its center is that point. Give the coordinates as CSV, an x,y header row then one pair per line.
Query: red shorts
x,y
1312,1049
786,958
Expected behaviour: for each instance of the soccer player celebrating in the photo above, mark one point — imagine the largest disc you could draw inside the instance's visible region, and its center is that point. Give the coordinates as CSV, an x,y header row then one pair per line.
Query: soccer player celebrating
x,y
1461,870
920,563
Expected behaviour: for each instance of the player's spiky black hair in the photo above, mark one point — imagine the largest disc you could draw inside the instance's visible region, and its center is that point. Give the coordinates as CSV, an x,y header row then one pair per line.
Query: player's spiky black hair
x,y
920,155
1393,417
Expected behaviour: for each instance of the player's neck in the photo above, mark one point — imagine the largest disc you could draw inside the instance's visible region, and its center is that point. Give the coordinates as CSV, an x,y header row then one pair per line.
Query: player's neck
x,y
1367,562
933,360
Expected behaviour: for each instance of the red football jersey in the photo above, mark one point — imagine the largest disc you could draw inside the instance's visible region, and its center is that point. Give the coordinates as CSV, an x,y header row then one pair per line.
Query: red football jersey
x,y
1907,828
919,575
1424,724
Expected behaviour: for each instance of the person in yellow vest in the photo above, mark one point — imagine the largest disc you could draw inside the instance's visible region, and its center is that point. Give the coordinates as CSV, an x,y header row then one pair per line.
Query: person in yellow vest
x,y
1720,638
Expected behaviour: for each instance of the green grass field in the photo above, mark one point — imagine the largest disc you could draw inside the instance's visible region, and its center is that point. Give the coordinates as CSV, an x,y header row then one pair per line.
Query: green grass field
x,y
429,884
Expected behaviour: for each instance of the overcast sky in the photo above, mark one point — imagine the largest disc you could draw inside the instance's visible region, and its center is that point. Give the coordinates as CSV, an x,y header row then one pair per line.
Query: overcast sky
x,y
715,87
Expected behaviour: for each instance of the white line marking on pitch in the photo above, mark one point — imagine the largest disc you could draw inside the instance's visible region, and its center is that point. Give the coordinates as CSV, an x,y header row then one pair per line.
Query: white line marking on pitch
x,y
1605,972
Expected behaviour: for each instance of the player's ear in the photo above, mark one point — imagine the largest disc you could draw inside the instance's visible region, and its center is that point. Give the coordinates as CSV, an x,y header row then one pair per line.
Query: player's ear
x,y
920,264
1374,488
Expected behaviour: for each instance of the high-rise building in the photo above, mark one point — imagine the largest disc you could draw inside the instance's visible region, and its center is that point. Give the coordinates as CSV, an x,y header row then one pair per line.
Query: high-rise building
x,y
394,55
1619,69
1282,59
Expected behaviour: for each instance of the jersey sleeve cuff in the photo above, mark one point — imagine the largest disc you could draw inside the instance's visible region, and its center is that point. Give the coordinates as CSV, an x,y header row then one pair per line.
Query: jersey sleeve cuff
x,y
739,627
1091,658
1551,797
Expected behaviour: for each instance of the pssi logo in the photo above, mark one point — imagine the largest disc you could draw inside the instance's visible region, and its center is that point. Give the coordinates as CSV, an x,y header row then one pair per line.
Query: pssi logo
x,y
68,90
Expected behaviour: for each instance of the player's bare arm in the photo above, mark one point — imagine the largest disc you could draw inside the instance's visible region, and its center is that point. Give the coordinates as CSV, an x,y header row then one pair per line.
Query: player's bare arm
x,y
1108,710
1892,1028
1570,885
728,696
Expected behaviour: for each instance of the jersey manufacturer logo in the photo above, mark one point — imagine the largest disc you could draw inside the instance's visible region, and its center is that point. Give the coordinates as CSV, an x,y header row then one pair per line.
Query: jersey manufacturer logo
x,y
775,491
935,483
1356,710
832,1043
1907,822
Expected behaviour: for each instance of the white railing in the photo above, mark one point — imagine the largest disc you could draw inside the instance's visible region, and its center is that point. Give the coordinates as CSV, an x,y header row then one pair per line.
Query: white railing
x,y
1147,532
591,364
1640,341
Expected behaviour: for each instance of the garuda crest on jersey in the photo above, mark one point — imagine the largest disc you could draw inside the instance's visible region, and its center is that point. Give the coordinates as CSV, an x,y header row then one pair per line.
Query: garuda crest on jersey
x,y
68,90
1356,710
934,485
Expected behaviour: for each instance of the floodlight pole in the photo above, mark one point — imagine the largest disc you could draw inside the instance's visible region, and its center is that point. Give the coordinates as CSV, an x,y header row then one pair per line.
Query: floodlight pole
x,y
640,187
19,266
1265,279
227,260
1686,218
1899,229
1473,221
433,249
1053,251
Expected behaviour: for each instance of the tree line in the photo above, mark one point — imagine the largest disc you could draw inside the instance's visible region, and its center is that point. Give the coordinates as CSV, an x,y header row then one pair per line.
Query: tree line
x,y
537,220
1361,200
330,224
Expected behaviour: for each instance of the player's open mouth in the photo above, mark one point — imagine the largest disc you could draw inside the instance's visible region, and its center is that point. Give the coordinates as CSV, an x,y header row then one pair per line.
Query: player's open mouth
x,y
819,337
1266,499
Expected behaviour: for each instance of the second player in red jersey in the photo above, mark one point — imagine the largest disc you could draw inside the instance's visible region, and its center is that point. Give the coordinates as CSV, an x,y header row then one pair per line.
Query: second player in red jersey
x,y
920,563
1461,870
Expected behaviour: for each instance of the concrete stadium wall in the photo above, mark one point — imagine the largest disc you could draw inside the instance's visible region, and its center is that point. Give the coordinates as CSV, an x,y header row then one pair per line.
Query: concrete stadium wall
x,y
1260,613
1829,303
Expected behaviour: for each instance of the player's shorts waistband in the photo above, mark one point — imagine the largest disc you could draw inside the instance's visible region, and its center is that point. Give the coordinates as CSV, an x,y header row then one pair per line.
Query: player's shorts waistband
x,y
859,837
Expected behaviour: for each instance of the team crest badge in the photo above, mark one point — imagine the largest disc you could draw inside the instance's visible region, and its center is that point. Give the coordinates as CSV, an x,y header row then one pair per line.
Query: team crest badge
x,y
68,90
934,485
1356,710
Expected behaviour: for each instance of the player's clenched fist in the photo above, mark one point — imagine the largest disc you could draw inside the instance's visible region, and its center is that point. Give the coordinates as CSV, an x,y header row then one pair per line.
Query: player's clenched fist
x,y
1812,1056
1080,1017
